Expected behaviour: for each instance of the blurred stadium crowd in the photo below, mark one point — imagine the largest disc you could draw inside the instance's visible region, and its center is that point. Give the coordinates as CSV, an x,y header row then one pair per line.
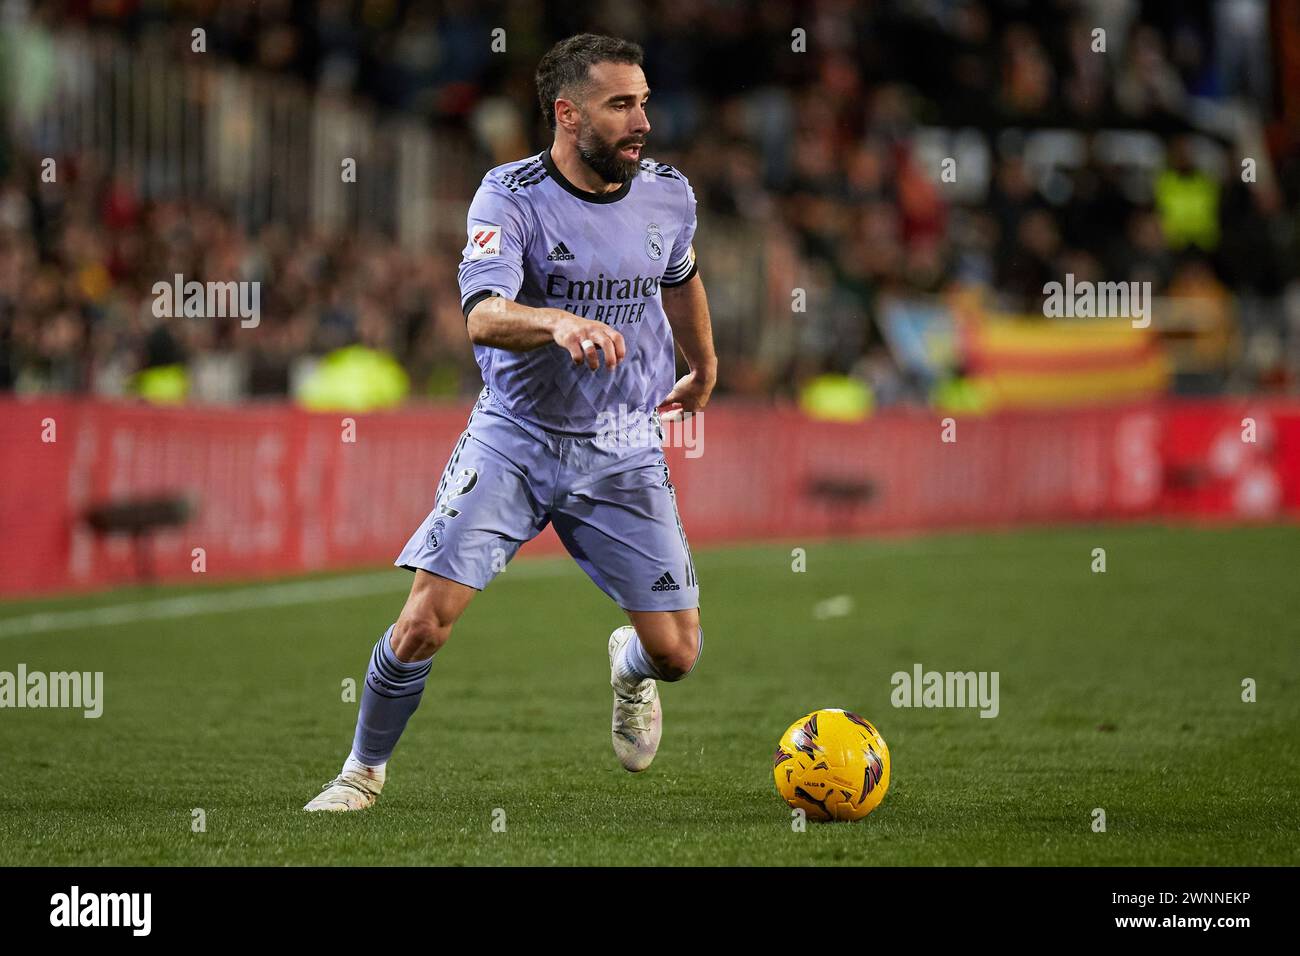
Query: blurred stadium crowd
x,y
827,159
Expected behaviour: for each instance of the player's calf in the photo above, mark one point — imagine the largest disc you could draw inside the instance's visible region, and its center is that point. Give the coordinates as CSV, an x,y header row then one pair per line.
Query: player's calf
x,y
399,667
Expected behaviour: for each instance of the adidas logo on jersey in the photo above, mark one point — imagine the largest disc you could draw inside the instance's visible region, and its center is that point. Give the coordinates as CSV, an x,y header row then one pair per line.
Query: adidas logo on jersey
x,y
665,583
561,253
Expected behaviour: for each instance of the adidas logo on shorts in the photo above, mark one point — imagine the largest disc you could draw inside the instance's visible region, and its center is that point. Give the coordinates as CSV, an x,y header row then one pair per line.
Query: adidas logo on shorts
x,y
665,583
561,253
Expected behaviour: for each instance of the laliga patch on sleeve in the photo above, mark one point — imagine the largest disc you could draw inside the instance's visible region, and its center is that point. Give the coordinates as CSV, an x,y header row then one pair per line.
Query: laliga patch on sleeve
x,y
484,240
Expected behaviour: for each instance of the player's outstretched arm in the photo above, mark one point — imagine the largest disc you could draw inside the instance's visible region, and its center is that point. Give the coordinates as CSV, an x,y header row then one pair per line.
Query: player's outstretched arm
x,y
687,308
505,324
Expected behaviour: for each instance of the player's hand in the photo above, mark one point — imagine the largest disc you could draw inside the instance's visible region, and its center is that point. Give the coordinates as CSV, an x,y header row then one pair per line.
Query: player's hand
x,y
588,341
689,395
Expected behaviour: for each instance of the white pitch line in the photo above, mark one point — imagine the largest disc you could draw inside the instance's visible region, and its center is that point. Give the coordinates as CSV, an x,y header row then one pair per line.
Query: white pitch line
x,y
242,599
361,585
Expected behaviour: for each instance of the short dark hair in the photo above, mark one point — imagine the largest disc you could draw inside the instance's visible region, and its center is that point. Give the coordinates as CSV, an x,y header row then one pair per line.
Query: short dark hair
x,y
566,66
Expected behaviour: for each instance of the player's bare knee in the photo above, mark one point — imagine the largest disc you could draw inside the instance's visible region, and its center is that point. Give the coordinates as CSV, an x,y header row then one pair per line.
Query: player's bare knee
x,y
679,660
418,638
672,667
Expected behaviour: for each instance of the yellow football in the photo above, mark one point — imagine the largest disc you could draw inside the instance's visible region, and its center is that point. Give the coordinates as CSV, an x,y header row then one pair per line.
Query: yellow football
x,y
833,765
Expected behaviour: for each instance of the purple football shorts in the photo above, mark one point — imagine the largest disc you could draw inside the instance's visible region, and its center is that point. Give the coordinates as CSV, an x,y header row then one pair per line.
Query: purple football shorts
x,y
609,498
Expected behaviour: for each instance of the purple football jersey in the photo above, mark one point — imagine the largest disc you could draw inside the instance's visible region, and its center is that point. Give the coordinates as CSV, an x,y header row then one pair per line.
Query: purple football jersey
x,y
536,238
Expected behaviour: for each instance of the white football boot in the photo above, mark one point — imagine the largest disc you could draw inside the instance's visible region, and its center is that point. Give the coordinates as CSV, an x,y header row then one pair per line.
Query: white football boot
x,y
638,719
350,790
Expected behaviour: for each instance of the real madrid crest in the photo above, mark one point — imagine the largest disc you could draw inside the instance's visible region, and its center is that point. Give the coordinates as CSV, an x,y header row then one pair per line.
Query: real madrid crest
x,y
654,242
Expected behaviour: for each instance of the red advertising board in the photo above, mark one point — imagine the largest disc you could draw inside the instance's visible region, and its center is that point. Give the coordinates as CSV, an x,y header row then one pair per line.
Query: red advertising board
x,y
276,490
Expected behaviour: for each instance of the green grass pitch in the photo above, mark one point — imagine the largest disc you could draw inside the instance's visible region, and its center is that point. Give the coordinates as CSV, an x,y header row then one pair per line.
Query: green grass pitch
x,y
1119,690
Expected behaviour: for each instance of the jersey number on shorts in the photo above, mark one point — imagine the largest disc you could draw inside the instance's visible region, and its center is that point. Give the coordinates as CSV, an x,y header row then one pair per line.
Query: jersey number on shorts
x,y
468,478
